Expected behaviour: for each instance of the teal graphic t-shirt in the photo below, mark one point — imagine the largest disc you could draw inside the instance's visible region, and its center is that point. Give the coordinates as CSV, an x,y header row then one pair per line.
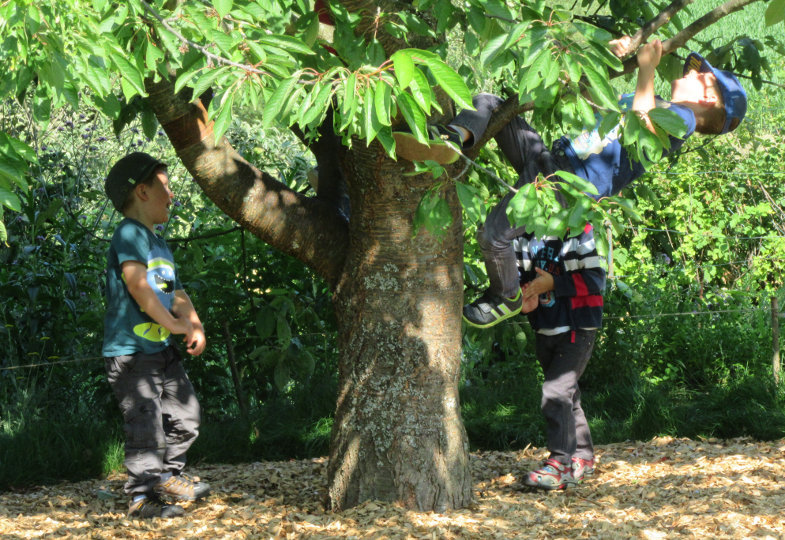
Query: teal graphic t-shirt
x,y
127,329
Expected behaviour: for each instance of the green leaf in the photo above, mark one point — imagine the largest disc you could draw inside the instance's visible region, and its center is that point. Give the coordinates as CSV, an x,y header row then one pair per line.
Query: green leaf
x,y
128,71
609,122
577,217
433,213
404,67
277,101
581,184
284,332
420,89
599,87
522,205
12,172
602,51
149,124
153,55
265,323
452,83
319,104
287,43
382,101
413,115
184,78
281,374
533,75
348,103
557,224
371,123
224,117
669,121
10,200
223,7
775,12
21,149
470,200
3,234
628,208
493,48
206,80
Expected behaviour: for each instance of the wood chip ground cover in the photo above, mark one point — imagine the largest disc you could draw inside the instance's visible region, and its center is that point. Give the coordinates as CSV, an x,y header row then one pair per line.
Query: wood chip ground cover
x,y
662,488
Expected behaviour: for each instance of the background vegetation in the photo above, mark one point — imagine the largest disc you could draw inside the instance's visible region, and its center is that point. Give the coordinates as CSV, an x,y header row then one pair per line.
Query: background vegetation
x,y
686,348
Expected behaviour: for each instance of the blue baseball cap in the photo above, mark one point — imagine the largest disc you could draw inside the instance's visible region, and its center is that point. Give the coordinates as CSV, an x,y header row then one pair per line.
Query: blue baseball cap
x,y
733,95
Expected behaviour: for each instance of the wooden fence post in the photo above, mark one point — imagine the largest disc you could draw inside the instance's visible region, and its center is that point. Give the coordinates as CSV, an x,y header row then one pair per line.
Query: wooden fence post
x,y
775,335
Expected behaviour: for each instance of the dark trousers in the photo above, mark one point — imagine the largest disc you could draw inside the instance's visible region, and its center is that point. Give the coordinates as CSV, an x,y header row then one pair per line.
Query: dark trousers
x,y
563,361
160,413
528,155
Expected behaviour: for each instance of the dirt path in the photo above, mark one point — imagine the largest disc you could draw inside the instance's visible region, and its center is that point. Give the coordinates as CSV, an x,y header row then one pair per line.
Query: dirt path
x,y
659,489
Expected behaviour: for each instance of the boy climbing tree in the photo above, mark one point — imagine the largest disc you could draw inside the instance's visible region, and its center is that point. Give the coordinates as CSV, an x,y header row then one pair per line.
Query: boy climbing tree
x,y
707,100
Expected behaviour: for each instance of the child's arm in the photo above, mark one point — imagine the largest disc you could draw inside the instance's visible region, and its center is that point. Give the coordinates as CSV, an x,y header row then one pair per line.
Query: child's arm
x,y
135,275
648,59
183,308
585,276
543,283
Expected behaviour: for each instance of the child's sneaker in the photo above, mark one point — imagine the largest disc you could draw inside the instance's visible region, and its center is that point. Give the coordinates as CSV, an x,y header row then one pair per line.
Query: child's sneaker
x,y
491,309
151,506
182,488
582,468
443,145
552,475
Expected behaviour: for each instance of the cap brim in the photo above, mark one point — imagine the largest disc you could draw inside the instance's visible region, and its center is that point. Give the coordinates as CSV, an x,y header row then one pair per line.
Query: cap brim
x,y
724,82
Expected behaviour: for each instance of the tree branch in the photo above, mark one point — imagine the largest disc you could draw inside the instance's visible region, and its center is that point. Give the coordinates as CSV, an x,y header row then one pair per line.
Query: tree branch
x,y
642,35
511,108
304,227
210,56
681,39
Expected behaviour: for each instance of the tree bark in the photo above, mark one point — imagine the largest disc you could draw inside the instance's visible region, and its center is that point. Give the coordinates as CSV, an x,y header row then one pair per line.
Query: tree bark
x,y
397,433
307,228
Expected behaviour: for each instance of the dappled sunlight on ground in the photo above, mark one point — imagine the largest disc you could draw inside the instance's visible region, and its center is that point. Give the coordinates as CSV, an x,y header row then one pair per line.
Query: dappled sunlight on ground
x,y
657,489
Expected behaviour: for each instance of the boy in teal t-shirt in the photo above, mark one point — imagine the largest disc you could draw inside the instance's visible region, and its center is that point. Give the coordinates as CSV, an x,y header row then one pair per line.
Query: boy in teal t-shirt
x,y
145,305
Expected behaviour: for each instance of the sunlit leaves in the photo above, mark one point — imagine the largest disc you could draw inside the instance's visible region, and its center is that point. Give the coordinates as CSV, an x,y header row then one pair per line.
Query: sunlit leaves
x,y
775,12
433,213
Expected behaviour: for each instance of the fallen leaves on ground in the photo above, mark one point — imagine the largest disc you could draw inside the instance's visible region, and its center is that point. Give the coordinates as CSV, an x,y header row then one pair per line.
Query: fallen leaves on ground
x,y
657,489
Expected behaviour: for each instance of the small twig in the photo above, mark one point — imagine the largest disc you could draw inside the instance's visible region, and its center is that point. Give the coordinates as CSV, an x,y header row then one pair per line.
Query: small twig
x,y
218,59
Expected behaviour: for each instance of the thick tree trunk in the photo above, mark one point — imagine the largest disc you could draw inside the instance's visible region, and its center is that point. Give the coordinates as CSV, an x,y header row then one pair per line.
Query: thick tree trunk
x,y
398,433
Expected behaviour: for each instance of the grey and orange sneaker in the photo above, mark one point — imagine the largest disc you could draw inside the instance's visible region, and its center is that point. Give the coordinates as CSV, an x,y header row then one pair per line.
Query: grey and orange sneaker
x,y
582,468
182,488
150,506
491,309
552,475
443,145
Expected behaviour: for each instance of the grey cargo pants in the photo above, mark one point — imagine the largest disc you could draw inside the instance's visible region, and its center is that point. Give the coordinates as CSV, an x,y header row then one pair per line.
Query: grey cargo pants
x,y
563,358
160,414
527,153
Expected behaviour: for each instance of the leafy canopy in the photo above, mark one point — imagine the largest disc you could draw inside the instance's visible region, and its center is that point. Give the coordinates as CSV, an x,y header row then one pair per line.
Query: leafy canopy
x,y
276,57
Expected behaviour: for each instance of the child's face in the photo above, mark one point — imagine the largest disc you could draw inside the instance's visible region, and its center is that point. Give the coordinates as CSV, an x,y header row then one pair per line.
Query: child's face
x,y
696,87
160,197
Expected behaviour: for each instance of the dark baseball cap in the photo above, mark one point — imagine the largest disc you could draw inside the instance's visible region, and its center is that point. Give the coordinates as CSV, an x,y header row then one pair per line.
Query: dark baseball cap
x,y
126,174
733,95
